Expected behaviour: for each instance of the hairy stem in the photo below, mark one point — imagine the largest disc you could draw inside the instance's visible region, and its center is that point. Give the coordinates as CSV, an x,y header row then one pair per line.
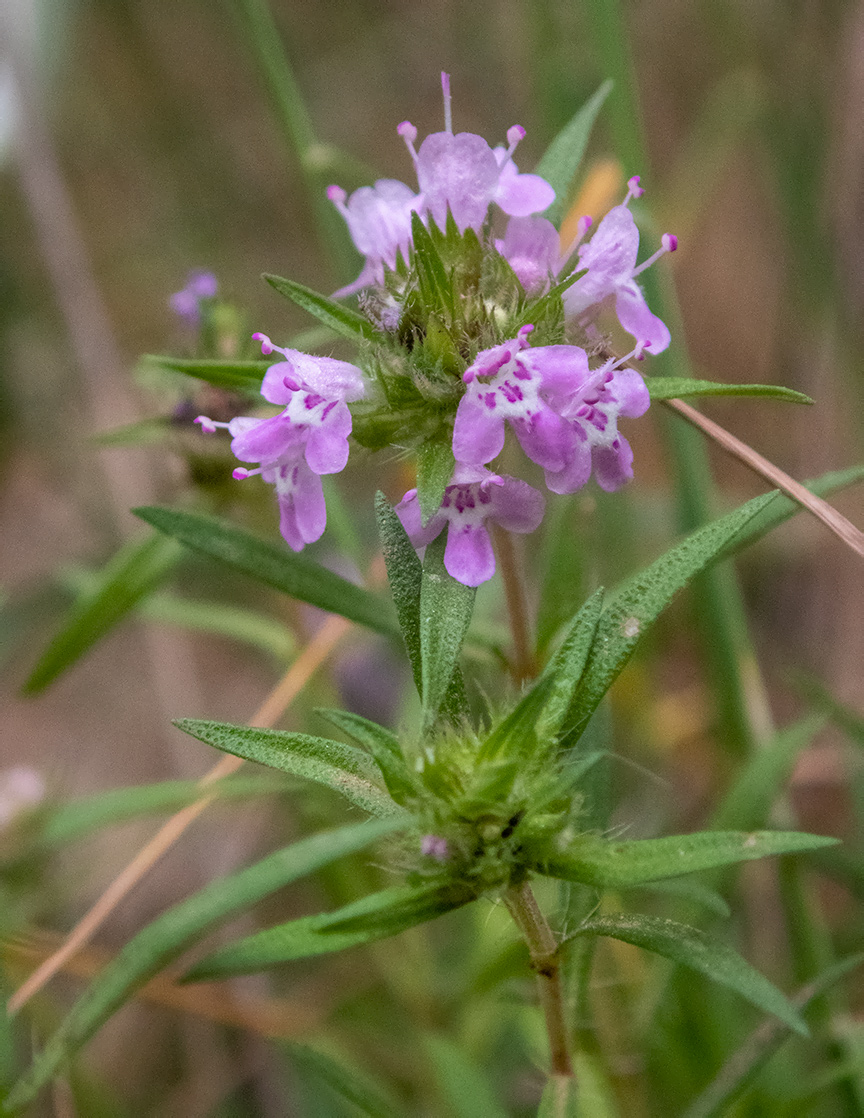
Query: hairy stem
x,y
543,949
524,663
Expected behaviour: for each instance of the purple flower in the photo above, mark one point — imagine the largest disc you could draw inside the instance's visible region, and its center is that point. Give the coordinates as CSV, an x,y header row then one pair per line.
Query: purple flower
x,y
532,249
462,173
592,414
309,437
187,303
511,382
610,257
474,496
433,846
379,221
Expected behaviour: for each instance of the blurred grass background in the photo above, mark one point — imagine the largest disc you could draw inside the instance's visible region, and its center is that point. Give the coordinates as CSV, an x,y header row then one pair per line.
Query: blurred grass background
x,y
168,152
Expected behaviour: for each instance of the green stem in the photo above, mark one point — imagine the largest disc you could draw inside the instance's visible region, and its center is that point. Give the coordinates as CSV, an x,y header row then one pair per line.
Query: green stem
x,y
313,157
543,949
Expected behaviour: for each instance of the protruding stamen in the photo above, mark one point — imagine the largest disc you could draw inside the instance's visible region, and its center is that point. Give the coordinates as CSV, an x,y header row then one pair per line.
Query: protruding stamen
x,y
241,473
514,135
267,346
634,190
208,425
337,196
291,384
668,243
582,226
448,115
523,333
409,134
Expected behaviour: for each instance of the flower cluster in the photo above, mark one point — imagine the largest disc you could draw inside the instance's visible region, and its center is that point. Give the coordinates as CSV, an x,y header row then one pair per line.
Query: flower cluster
x,y
465,365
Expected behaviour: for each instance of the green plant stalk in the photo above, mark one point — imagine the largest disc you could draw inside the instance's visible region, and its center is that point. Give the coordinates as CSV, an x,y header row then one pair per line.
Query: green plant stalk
x,y
543,950
728,648
296,125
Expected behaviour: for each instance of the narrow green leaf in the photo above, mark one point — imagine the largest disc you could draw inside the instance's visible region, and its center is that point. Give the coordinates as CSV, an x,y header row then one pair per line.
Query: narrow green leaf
x,y
357,1087
564,155
170,934
374,917
741,1068
384,747
781,508
435,465
340,319
221,619
445,612
464,1086
243,376
73,820
609,865
273,565
131,574
567,665
670,388
748,802
343,768
691,892
634,607
516,735
692,948
437,288
405,575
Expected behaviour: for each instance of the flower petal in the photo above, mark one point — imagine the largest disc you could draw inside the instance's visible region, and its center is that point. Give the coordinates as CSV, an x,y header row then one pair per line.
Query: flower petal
x,y
521,195
613,465
637,319
478,433
468,556
517,506
577,470
266,441
460,173
546,438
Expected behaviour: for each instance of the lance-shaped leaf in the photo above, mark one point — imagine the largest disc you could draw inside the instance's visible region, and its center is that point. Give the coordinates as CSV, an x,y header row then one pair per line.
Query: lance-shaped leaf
x,y
372,918
692,948
742,1067
371,1098
782,508
564,155
446,606
531,728
242,376
129,576
436,287
343,768
636,605
671,388
71,821
384,747
340,319
435,465
273,565
168,936
610,865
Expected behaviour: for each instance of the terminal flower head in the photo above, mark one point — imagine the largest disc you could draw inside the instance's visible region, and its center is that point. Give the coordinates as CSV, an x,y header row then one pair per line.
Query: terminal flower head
x,y
610,260
473,497
186,303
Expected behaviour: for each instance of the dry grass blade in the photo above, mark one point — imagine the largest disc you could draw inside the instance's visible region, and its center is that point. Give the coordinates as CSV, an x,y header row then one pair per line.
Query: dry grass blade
x,y
841,527
294,680
266,1016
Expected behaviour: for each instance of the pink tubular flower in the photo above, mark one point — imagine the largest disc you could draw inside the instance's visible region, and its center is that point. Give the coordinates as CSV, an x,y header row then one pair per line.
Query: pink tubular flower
x,y
474,496
592,413
462,173
309,437
186,303
379,221
610,257
531,247
511,382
